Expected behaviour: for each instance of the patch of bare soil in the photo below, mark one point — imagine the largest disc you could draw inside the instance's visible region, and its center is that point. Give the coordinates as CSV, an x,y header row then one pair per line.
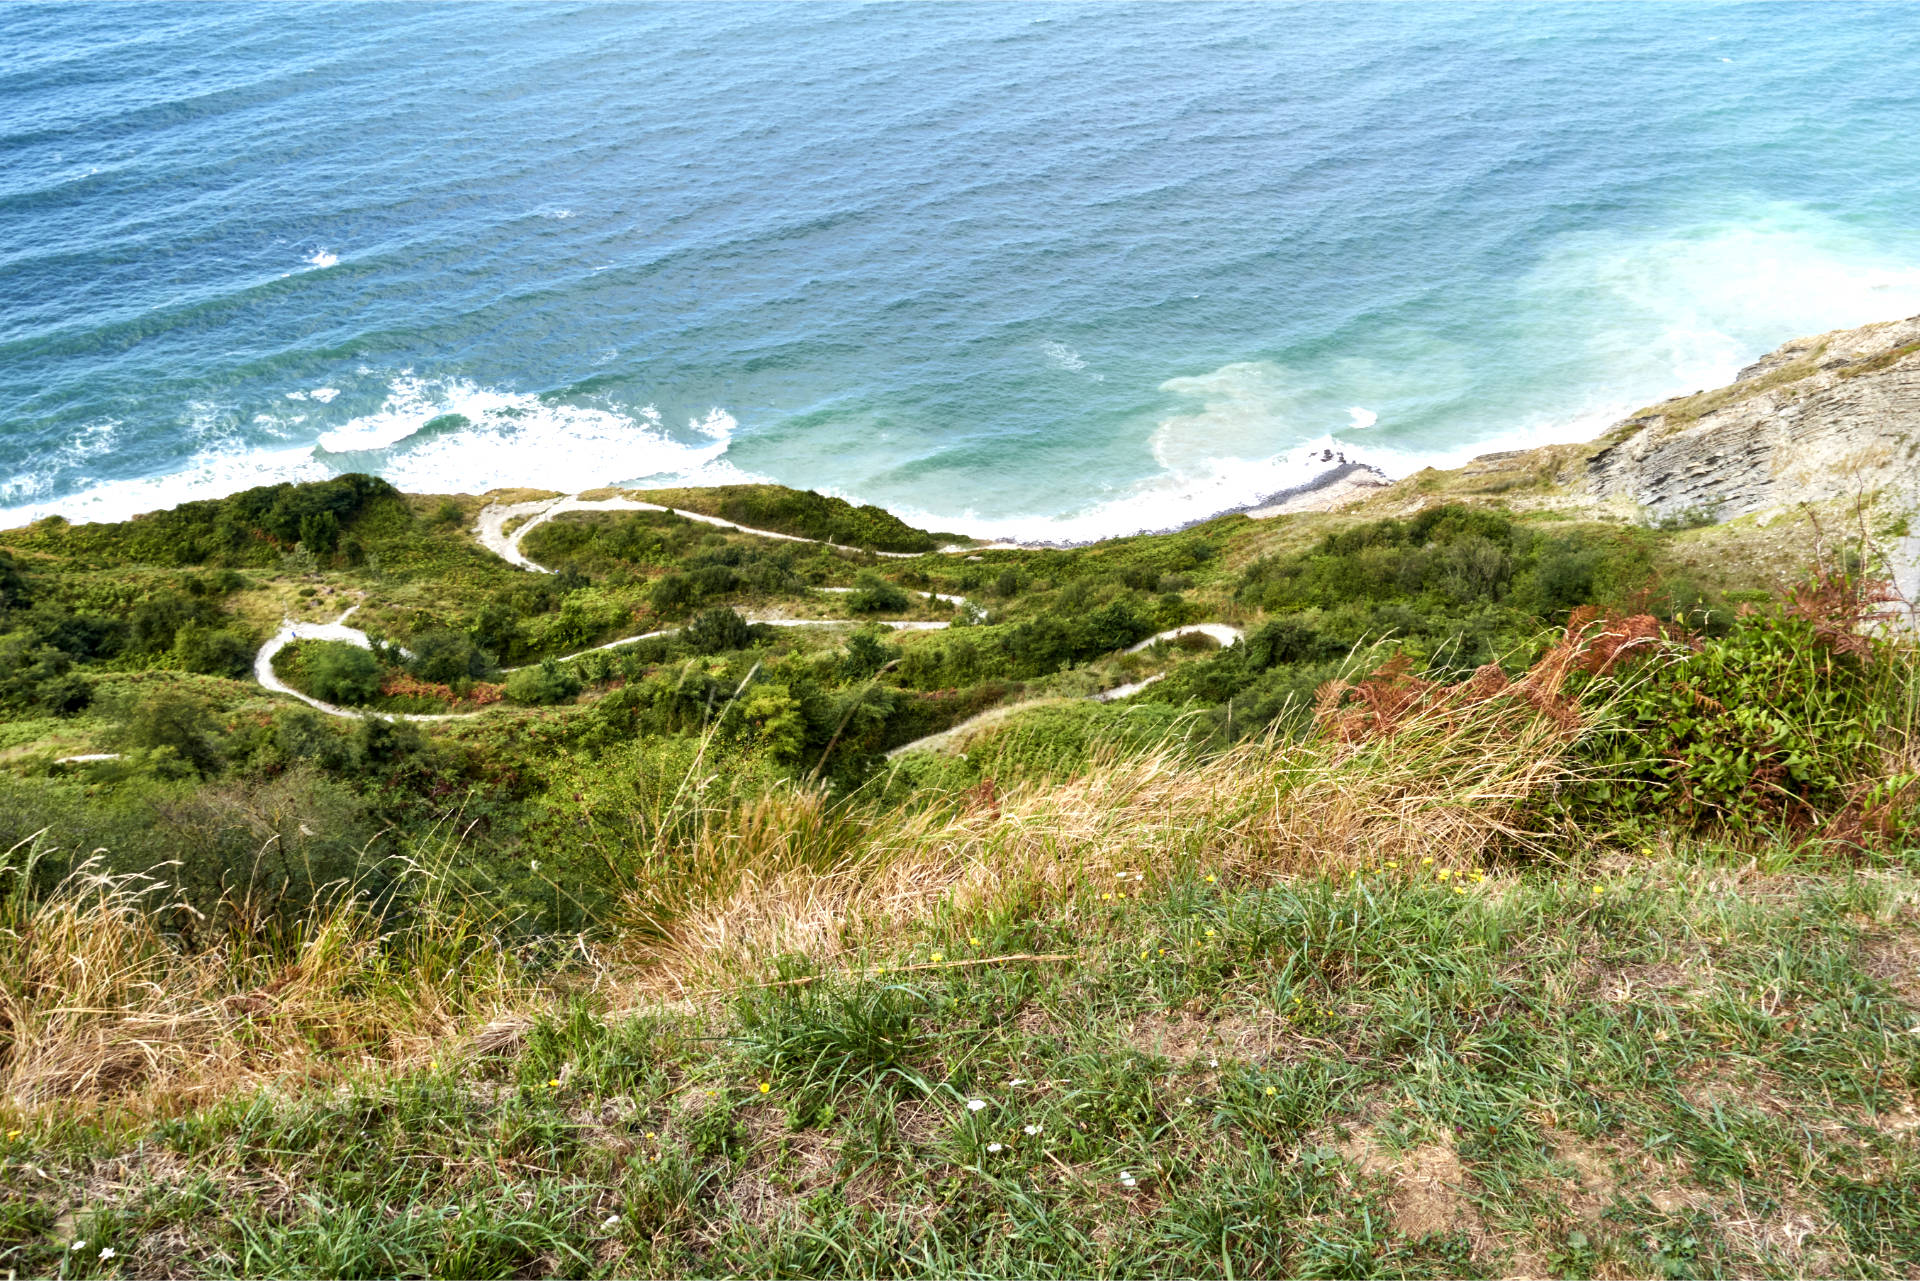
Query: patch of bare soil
x,y
1895,961
1429,1186
1628,983
1593,1186
1183,1035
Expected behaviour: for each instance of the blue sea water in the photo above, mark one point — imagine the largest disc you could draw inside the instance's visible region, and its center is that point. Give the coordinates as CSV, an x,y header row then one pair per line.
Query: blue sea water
x,y
1039,270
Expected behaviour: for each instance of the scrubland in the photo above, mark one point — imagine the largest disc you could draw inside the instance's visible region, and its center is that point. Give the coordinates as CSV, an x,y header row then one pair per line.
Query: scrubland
x,y
1515,898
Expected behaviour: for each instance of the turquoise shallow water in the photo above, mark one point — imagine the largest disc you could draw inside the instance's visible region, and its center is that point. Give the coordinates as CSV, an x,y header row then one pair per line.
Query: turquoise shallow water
x,y
1032,270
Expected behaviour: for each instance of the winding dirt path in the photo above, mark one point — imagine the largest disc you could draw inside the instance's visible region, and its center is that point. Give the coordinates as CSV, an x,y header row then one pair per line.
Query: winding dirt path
x,y
491,533
490,527
1227,635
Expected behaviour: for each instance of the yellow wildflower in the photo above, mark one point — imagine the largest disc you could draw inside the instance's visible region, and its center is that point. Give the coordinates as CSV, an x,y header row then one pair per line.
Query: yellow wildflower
x,y
1210,878
974,941
938,956
765,1086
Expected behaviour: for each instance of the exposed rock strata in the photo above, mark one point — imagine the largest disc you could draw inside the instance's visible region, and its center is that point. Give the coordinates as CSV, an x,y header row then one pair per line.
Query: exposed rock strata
x,y
1821,418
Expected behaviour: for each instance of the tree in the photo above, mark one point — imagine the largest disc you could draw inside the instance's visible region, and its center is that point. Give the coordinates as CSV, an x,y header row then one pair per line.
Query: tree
x,y
446,657
173,725
212,651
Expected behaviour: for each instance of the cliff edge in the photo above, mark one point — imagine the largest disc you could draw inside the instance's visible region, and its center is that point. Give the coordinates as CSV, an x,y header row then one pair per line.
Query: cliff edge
x,y
1829,417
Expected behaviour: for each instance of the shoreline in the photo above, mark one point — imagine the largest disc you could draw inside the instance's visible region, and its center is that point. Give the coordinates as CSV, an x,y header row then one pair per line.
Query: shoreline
x,y
1343,480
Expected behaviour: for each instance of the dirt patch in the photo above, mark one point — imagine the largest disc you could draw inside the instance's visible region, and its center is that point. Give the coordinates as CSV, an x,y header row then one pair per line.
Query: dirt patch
x,y
919,1120
1629,983
1429,1186
1183,1036
1801,1234
1593,1186
1895,961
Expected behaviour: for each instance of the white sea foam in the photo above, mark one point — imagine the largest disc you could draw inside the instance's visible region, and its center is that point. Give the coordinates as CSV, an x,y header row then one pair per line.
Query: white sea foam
x,y
88,443
212,473
322,259
324,395
507,439
1686,310
496,438
1061,356
1362,418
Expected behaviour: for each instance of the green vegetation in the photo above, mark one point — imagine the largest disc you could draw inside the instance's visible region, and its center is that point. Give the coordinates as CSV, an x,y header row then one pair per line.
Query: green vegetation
x,y
802,513
1505,901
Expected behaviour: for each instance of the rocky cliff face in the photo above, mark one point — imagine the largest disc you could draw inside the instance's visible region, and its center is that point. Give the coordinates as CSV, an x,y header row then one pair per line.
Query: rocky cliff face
x,y
1821,418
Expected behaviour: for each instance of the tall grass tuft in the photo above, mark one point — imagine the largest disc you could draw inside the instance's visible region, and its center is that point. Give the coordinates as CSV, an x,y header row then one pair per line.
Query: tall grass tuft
x,y
103,998
793,878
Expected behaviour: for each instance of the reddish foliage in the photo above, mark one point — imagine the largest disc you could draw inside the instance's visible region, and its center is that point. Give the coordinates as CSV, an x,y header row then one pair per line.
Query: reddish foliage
x,y
984,795
1381,704
485,695
401,685
1843,608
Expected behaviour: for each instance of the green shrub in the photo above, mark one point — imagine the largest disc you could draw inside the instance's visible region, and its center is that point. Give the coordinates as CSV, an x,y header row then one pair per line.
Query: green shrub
x,y
173,726
37,676
671,594
1769,724
447,658
873,594
213,651
337,672
716,631
802,512
549,682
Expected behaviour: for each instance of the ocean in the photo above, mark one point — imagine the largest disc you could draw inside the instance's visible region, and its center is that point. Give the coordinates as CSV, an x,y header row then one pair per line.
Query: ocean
x,y
1027,270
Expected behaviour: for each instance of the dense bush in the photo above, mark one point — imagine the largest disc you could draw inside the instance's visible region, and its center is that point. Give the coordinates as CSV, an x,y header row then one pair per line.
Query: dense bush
x,y
337,672
803,512
545,682
39,677
213,651
873,594
447,657
1020,651
176,731
249,528
717,630
1770,724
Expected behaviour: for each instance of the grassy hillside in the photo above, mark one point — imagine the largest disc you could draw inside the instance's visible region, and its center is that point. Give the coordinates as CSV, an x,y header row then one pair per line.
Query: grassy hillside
x,y
1525,893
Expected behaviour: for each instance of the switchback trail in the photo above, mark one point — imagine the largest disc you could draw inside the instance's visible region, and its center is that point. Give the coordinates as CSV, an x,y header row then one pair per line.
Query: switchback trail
x,y
491,533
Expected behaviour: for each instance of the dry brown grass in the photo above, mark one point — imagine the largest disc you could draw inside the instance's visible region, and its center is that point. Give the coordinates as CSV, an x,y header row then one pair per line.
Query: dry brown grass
x,y
101,1003
787,876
